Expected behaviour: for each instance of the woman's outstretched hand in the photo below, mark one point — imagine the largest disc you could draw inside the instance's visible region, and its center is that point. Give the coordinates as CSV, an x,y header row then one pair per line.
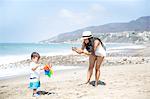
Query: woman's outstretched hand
x,y
74,49
78,50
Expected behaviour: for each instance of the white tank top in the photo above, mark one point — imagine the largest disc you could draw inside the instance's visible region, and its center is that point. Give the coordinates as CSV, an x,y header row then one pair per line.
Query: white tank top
x,y
100,51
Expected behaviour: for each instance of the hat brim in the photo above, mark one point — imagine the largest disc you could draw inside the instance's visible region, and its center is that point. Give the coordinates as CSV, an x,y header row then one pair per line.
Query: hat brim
x,y
83,38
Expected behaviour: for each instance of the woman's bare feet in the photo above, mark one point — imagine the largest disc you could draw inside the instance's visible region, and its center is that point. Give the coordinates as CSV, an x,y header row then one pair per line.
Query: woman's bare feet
x,y
96,83
87,83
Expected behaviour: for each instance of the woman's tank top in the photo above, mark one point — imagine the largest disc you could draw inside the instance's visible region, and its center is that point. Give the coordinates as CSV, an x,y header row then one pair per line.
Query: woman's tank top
x,y
100,51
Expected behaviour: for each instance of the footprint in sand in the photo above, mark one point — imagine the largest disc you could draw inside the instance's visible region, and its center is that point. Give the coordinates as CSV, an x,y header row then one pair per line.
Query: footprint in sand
x,y
2,93
3,86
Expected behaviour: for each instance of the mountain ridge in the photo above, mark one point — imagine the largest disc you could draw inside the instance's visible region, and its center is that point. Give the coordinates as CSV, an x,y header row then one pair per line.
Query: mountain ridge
x,y
138,25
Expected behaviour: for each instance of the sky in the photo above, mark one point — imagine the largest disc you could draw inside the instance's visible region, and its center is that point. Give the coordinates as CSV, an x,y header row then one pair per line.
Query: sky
x,y
25,21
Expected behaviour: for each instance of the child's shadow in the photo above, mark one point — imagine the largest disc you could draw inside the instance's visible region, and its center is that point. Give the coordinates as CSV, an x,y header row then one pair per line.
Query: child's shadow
x,y
45,93
99,83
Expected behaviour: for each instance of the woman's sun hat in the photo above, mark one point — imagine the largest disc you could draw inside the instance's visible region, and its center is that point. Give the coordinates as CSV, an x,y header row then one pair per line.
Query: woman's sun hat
x,y
86,35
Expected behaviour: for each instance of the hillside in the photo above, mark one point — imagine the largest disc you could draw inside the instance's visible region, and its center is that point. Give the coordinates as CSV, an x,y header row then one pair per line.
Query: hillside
x,y
139,25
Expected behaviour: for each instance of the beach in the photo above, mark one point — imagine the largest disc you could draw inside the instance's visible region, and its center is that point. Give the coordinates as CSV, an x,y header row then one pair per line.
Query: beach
x,y
74,49
122,82
124,75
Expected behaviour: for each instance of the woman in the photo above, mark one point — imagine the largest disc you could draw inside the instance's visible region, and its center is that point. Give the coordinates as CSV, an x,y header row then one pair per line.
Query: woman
x,y
95,50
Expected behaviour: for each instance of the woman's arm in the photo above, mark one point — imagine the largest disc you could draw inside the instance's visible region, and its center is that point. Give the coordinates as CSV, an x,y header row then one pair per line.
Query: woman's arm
x,y
96,44
86,53
79,50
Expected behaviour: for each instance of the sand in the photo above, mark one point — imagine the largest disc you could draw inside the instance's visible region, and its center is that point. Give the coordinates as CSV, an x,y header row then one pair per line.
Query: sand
x,y
122,82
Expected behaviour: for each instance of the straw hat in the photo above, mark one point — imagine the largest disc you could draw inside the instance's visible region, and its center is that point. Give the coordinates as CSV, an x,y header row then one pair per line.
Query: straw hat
x,y
86,35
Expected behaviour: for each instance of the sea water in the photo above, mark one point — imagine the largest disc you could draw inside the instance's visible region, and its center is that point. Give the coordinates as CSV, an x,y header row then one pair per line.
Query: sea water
x,y
13,52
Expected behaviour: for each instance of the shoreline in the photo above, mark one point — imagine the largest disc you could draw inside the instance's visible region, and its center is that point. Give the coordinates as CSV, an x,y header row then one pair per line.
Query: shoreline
x,y
111,50
27,71
23,76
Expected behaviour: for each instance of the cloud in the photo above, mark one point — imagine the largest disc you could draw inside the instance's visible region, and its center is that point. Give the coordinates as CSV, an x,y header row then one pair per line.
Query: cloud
x,y
83,18
97,8
66,13
75,17
98,11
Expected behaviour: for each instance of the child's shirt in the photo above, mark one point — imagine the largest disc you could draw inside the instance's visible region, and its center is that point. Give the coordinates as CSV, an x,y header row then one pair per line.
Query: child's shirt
x,y
35,73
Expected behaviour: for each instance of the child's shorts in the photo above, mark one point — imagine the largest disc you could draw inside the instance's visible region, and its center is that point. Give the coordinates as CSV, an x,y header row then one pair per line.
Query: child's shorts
x,y
34,84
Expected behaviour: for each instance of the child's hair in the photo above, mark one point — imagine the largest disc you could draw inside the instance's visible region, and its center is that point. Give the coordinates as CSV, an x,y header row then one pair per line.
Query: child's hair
x,y
35,54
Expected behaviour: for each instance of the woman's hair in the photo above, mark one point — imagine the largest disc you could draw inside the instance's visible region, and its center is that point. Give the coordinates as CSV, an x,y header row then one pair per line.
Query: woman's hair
x,y
89,46
35,54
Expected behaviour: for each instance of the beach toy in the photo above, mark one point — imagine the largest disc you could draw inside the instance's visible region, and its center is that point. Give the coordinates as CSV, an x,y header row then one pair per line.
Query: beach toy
x,y
48,71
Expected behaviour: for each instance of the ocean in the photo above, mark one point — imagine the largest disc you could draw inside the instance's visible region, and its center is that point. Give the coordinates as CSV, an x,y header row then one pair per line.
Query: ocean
x,y
12,52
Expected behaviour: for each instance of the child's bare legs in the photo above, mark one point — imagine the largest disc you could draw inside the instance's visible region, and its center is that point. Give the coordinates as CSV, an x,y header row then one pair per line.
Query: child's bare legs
x,y
92,59
97,69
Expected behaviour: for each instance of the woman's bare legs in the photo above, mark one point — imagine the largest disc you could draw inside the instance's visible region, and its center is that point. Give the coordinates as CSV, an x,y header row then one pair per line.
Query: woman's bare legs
x,y
97,69
92,60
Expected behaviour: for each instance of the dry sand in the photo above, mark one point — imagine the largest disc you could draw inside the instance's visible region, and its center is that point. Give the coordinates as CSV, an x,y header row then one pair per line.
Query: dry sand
x,y
122,82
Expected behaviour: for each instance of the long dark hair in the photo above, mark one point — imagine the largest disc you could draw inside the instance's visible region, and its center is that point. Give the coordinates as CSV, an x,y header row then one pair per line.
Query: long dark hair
x,y
90,46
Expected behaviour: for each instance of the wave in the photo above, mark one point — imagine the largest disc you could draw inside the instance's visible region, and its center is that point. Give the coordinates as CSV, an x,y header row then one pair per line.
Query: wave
x,y
7,59
11,72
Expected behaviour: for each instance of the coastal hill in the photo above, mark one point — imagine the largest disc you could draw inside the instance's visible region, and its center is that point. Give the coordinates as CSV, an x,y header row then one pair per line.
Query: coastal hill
x,y
127,29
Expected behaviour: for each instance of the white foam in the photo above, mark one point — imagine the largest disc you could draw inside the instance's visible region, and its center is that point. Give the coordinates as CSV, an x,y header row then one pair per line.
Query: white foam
x,y
15,58
11,72
12,58
127,47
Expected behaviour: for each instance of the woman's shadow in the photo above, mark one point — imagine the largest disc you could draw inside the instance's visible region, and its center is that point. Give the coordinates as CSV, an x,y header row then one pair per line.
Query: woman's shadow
x,y
99,83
